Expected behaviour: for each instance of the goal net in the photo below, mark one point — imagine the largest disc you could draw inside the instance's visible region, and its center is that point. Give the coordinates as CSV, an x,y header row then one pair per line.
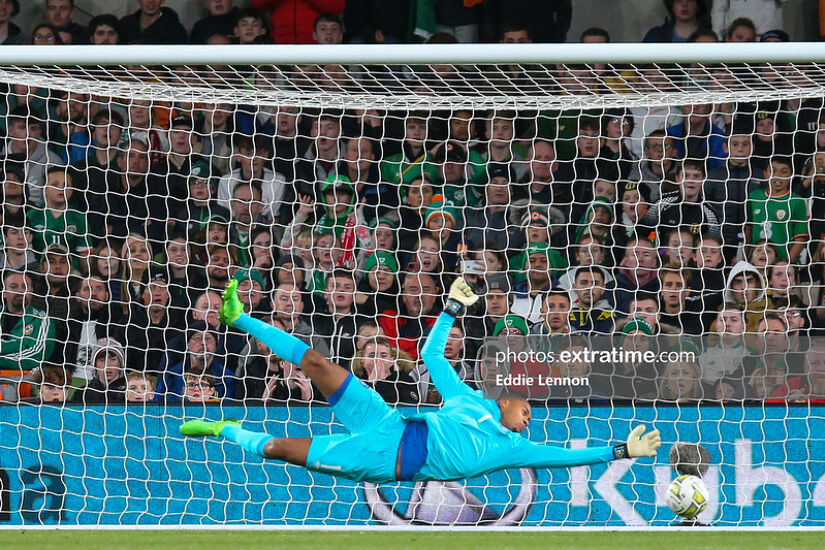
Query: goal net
x,y
646,236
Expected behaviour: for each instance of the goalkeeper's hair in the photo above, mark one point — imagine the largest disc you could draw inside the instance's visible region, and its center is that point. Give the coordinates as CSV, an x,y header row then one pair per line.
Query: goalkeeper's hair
x,y
511,395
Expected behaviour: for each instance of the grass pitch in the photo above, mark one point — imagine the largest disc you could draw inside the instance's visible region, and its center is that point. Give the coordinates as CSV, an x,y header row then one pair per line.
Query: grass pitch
x,y
367,540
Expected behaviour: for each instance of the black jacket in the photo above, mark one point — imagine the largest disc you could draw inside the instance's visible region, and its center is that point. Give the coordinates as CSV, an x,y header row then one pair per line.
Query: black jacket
x,y
166,30
214,24
96,393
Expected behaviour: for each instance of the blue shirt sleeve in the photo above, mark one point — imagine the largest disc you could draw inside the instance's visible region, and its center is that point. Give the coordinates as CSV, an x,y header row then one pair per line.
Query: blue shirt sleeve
x,y
533,455
442,373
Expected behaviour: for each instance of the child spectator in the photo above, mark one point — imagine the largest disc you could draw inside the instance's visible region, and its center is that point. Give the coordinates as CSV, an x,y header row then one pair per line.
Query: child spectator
x,y
54,387
25,141
109,384
140,388
17,252
328,29
778,215
249,25
746,288
675,283
763,15
199,388
387,370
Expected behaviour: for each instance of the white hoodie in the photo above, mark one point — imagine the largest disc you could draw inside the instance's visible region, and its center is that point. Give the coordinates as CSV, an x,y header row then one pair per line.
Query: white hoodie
x,y
738,269
765,14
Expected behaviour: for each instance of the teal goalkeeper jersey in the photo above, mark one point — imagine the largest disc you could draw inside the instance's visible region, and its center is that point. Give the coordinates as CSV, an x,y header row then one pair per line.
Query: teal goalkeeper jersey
x,y
467,439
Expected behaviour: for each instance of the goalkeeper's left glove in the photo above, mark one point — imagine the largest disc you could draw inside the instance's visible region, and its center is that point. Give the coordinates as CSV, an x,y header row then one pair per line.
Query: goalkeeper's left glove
x,y
460,295
639,445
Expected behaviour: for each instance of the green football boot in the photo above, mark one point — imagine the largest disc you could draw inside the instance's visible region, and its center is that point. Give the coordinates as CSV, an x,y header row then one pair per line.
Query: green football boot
x,y
232,308
200,428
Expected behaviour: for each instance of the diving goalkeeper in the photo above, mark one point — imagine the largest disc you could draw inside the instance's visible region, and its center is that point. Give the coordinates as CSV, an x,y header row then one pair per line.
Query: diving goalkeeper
x,y
470,436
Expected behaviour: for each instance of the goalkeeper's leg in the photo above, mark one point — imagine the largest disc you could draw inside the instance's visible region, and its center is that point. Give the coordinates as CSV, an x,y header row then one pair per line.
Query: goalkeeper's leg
x,y
289,449
326,375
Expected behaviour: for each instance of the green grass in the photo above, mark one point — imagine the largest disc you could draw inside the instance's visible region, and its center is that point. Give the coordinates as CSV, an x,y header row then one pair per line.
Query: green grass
x,y
360,540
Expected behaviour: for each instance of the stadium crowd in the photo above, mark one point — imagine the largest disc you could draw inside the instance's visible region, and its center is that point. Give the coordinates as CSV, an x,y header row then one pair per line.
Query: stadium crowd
x,y
697,228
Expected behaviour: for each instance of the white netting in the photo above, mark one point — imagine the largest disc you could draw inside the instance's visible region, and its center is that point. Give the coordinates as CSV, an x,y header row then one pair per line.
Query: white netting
x,y
347,199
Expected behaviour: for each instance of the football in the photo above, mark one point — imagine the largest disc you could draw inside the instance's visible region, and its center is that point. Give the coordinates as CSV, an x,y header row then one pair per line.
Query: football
x,y
687,496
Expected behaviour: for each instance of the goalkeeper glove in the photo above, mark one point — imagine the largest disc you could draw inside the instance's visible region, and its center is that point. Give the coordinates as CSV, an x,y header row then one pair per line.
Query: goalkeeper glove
x,y
460,295
639,445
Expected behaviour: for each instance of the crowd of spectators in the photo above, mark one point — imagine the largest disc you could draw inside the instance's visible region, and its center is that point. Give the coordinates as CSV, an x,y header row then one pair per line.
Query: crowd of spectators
x,y
123,221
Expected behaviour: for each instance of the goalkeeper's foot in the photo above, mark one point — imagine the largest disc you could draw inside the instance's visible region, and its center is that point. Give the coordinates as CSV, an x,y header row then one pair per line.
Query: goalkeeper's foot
x,y
232,307
200,428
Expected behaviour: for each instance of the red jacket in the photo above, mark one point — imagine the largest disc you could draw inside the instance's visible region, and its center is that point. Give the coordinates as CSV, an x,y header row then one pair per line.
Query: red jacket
x,y
403,333
292,21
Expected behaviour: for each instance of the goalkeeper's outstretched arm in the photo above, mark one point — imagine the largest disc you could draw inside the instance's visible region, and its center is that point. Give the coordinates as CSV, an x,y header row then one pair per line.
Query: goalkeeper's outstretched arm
x,y
442,373
534,455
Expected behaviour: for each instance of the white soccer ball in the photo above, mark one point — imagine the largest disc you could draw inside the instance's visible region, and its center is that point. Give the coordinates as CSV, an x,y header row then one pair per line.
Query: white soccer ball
x,y
687,496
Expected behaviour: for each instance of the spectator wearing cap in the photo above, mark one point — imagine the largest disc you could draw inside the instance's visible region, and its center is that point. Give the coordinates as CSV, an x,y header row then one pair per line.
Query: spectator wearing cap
x,y
104,30
59,14
775,35
10,34
56,223
176,166
444,220
501,133
28,334
765,14
108,387
511,325
773,135
252,290
149,326
128,206
192,217
25,144
540,264
685,18
462,180
200,359
251,158
338,195
152,24
381,235
413,161
378,290
590,310
489,222
220,21
17,252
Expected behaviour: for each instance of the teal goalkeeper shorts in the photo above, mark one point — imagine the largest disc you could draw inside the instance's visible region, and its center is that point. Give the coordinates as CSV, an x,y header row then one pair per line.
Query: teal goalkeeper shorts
x,y
369,452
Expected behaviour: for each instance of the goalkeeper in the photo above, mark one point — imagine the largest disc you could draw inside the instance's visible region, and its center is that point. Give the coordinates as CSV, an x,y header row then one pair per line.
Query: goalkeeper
x,y
471,435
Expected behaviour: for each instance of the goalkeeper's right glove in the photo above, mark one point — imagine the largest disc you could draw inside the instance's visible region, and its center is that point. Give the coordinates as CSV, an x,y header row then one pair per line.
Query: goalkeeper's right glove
x,y
639,445
461,295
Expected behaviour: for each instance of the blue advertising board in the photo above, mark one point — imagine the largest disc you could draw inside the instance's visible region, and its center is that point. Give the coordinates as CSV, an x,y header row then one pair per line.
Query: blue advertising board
x,y
129,466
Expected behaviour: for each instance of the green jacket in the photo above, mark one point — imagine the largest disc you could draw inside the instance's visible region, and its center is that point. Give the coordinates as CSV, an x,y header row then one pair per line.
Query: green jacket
x,y
29,343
